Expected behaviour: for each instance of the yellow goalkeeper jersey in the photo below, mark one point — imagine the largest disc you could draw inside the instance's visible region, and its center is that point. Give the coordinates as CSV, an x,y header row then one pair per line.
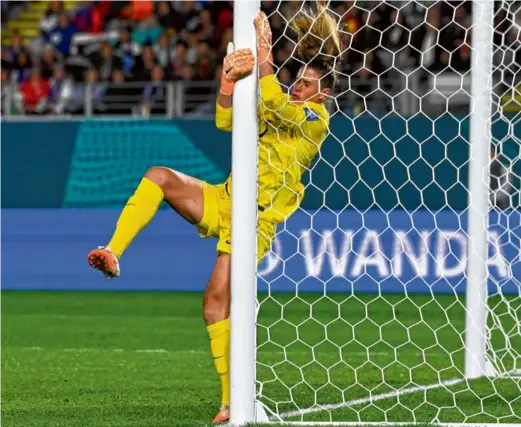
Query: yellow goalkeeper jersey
x,y
290,135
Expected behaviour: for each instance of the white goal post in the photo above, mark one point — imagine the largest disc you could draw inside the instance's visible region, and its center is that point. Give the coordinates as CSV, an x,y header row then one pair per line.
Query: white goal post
x,y
244,225
480,137
402,329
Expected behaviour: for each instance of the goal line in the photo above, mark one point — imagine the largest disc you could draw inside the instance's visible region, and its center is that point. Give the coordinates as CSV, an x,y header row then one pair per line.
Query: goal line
x,y
516,373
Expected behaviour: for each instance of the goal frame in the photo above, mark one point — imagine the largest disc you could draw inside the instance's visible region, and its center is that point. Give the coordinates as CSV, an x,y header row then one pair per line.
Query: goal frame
x,y
244,408
244,225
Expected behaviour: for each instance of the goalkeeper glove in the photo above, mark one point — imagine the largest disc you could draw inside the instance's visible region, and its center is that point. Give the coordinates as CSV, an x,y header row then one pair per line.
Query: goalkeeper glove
x,y
264,36
237,64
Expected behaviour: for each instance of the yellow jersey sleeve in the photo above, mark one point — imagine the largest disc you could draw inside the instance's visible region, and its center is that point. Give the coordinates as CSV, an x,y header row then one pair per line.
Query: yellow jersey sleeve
x,y
223,118
311,119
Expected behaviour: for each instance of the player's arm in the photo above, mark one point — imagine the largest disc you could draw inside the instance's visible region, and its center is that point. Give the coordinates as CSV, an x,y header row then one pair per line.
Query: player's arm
x,y
273,97
264,54
237,64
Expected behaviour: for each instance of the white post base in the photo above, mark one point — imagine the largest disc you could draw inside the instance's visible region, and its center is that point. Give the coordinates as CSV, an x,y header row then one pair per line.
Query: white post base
x,y
490,369
260,413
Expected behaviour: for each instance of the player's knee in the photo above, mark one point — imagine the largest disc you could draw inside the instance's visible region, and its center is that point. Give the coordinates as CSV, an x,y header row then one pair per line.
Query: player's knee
x,y
163,177
216,306
166,178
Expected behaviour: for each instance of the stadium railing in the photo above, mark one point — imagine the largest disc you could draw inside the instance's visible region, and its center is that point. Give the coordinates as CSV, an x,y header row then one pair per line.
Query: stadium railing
x,y
400,94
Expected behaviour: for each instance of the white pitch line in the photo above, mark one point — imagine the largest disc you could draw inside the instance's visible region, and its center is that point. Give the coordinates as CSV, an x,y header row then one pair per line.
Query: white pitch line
x,y
162,350
371,399
115,350
447,383
391,424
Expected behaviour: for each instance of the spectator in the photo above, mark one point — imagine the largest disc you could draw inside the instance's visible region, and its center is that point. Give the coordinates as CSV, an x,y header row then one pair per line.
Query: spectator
x,y
6,73
6,57
126,50
167,18
89,18
138,10
106,62
190,15
205,65
380,38
34,92
115,10
50,18
178,62
368,38
22,67
154,95
61,36
461,59
117,94
162,51
193,48
425,50
350,18
396,36
187,72
37,45
207,30
192,92
277,26
365,82
6,90
60,91
227,37
97,89
283,54
88,90
16,47
5,11
224,20
144,64
148,31
454,32
269,6
197,94
48,62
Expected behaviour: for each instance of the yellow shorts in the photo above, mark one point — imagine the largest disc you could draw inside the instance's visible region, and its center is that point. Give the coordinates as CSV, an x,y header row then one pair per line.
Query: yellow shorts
x,y
217,221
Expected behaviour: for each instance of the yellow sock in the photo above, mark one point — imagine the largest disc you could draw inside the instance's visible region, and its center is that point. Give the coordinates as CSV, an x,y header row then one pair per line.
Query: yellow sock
x,y
138,212
219,334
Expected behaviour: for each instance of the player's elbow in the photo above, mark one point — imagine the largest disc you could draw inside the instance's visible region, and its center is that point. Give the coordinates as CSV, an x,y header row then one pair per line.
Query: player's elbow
x,y
223,125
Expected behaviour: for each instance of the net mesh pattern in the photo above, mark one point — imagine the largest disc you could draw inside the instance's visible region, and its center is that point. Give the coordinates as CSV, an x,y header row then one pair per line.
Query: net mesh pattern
x,y
361,301
112,155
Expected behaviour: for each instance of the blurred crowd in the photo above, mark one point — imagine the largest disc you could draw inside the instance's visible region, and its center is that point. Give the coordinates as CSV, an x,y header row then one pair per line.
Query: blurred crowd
x,y
132,41
131,48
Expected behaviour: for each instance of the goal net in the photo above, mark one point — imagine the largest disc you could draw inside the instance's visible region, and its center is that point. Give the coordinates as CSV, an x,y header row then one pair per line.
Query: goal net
x,y
370,301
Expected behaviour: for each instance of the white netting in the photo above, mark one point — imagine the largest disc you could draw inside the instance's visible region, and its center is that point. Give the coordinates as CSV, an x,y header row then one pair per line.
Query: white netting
x,y
362,298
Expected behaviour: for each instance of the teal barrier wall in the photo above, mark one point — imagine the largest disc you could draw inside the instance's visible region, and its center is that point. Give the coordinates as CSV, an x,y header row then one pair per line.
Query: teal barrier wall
x,y
36,159
366,162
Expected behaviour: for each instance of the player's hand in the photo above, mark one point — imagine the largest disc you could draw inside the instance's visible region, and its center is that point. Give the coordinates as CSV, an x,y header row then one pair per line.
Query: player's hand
x,y
264,36
237,64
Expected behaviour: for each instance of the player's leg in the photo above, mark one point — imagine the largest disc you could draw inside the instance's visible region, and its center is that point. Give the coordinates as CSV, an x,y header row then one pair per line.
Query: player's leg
x,y
216,304
184,193
216,314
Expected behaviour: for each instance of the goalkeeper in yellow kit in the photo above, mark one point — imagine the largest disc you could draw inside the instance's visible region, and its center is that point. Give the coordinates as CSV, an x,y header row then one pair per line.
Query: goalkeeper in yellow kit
x,y
292,128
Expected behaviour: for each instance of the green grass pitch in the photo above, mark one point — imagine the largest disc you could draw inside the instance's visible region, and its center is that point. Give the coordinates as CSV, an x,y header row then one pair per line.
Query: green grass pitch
x,y
142,359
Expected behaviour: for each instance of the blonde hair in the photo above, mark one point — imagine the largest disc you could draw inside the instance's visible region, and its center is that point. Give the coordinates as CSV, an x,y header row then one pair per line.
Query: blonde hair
x,y
318,34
